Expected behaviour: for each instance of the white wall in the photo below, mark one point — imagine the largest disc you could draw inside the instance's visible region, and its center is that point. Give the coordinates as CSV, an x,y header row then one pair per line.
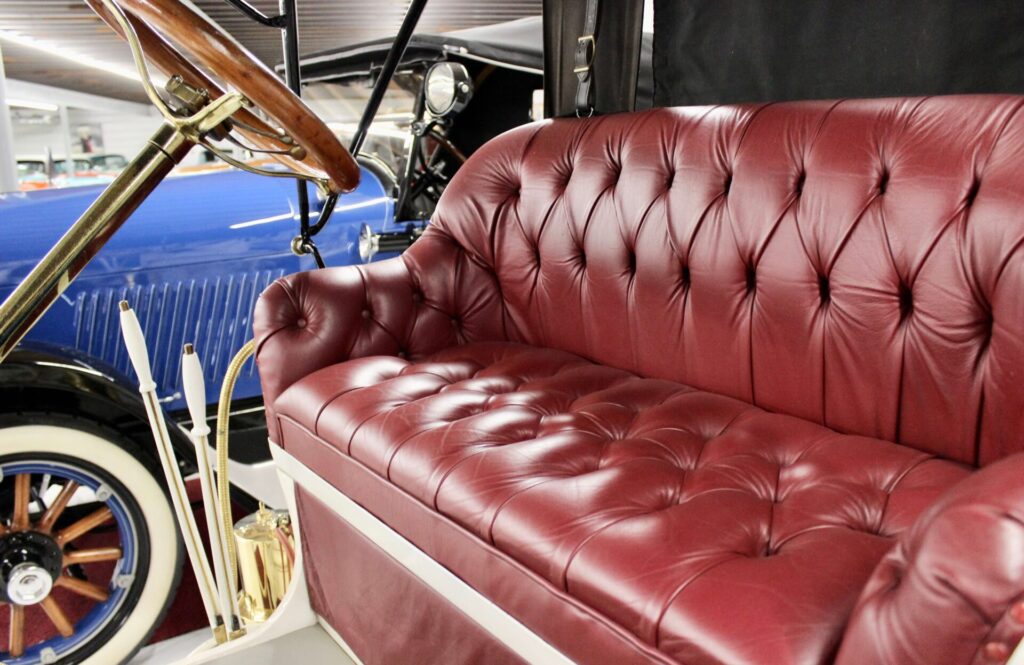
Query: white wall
x,y
126,134
123,126
121,133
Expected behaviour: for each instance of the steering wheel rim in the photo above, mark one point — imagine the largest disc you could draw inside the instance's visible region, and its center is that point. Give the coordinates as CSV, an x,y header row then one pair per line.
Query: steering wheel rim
x,y
157,22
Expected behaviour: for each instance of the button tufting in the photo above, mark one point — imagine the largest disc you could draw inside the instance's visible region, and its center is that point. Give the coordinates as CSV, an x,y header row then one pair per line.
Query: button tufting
x,y
366,313
906,299
478,258
883,181
824,289
972,191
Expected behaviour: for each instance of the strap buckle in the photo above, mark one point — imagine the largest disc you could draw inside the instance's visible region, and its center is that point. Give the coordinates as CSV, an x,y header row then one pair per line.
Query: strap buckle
x,y
586,47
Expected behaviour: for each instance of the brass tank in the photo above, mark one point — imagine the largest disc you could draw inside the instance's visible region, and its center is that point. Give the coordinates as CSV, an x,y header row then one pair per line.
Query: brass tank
x,y
265,547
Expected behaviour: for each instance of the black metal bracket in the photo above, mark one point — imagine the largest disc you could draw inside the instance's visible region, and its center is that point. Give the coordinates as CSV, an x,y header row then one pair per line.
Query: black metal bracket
x,y
257,15
387,72
288,23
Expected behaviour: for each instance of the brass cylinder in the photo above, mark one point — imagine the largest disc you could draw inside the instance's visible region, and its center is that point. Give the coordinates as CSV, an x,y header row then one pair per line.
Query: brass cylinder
x,y
265,547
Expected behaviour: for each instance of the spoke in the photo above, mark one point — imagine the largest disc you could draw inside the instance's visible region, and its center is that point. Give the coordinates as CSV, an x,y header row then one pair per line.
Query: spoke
x,y
16,641
57,507
84,525
92,556
83,588
22,497
57,616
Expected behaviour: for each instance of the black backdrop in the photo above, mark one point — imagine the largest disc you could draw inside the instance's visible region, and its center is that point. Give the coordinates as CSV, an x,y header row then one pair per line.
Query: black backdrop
x,y
724,51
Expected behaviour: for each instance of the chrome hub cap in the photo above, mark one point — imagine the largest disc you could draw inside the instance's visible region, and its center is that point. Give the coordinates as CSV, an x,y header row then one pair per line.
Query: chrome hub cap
x,y
28,584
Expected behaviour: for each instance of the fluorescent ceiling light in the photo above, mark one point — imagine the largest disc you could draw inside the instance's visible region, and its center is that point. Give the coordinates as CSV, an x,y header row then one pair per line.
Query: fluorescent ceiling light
x,y
51,48
38,106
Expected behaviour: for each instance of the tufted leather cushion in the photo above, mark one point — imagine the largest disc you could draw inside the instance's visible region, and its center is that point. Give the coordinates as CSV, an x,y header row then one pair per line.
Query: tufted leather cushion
x,y
952,590
692,519
689,365
853,263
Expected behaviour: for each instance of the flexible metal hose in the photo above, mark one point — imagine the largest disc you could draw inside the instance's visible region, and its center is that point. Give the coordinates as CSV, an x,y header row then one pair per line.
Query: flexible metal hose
x,y
227,388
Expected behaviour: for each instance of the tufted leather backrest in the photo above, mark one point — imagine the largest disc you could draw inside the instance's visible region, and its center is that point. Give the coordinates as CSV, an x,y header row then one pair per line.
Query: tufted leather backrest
x,y
855,263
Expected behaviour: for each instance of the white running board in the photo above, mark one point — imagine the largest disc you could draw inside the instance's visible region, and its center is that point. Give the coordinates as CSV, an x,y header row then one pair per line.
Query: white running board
x,y
503,626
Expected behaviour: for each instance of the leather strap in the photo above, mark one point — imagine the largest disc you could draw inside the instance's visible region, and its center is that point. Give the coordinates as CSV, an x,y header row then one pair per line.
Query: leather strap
x,y
586,49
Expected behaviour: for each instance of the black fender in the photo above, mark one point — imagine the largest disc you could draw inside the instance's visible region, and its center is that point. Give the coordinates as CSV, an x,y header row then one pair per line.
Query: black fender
x,y
38,377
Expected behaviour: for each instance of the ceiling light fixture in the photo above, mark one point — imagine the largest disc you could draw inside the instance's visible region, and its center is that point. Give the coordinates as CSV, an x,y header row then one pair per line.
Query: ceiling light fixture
x,y
37,106
51,48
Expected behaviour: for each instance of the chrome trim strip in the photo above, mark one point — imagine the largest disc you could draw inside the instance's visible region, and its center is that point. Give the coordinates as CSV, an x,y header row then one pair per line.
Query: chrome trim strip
x,y
503,626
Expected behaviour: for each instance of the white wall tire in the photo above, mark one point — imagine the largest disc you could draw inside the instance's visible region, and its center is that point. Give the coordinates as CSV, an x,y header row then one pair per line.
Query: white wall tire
x,y
60,437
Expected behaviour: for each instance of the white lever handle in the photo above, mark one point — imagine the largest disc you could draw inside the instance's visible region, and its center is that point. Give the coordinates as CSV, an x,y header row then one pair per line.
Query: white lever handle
x,y
195,390
136,343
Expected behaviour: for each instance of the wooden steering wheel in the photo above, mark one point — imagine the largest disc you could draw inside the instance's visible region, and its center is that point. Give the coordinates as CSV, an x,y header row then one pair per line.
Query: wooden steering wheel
x,y
300,139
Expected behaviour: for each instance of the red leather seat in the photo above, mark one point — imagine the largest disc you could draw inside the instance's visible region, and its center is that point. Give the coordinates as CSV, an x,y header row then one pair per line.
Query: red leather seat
x,y
680,514
666,386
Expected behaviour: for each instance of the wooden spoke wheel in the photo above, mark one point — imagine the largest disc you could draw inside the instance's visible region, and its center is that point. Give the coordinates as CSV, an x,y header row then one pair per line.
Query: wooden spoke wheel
x,y
89,557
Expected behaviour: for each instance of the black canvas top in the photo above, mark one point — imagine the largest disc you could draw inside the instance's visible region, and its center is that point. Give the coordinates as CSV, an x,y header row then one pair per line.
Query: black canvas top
x,y
727,51
518,44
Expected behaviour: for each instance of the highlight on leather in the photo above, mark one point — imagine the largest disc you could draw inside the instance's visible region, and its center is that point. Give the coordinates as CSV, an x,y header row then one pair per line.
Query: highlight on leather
x,y
852,263
687,373
952,590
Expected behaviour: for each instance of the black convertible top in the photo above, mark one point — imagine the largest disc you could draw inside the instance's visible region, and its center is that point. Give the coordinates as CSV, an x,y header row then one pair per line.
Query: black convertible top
x,y
515,44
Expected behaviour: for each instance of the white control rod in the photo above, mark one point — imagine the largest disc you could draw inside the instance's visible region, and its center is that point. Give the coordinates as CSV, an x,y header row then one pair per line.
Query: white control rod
x,y
139,355
195,396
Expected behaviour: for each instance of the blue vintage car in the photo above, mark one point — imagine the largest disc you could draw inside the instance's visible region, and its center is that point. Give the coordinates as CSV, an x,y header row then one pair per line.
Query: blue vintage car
x,y
179,266
210,261
192,261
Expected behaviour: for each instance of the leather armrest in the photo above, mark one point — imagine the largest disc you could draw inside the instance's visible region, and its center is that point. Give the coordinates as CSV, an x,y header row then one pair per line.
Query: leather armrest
x,y
952,589
432,297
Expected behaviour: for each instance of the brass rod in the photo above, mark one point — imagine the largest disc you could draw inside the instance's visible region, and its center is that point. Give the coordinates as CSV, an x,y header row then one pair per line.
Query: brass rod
x,y
52,275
